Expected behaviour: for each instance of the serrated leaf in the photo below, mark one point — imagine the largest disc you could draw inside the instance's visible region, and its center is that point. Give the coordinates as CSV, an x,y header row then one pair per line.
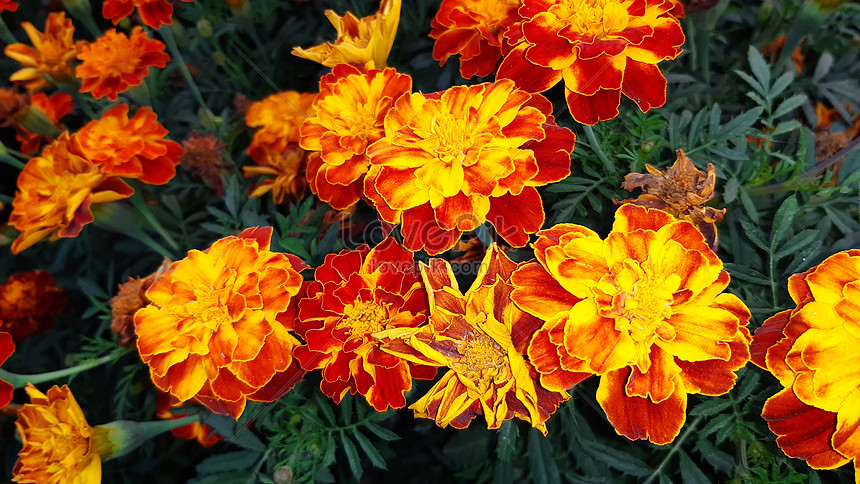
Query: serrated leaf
x,y
718,459
541,462
786,127
754,234
759,67
352,457
780,84
615,459
232,196
381,432
369,450
802,260
330,448
506,444
746,274
711,406
228,461
795,243
690,473
748,205
325,408
730,191
789,105
741,124
825,62
751,81
782,221
747,384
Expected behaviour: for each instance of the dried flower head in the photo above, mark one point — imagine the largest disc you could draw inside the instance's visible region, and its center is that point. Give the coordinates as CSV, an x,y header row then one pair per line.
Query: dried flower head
x,y
51,55
28,303
12,102
203,156
130,297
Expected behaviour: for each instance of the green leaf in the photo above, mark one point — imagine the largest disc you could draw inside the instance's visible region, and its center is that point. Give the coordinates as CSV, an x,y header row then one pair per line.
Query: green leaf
x,y
325,408
802,239
730,191
615,459
232,432
506,445
330,448
745,273
232,196
711,406
369,450
749,206
782,221
690,473
718,459
746,385
541,461
780,84
752,82
789,105
759,67
381,432
754,234
786,127
351,456
228,461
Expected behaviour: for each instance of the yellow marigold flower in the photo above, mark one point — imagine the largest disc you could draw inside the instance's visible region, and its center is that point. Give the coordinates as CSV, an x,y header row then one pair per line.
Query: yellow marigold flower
x,y
114,62
280,117
644,309
55,191
217,328
814,352
481,336
59,444
288,169
51,55
365,41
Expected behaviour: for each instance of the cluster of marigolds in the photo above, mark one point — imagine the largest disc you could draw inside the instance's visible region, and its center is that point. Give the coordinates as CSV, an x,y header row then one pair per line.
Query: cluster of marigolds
x,y
644,309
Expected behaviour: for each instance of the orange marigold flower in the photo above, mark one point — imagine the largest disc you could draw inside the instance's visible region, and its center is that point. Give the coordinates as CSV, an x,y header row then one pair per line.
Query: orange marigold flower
x,y
814,351
366,41
280,117
59,444
451,161
131,296
601,48
28,302
7,347
55,191
154,13
288,168
217,329
350,110
202,433
115,62
682,190
481,336
475,30
51,55
54,107
8,5
131,148
644,309
355,294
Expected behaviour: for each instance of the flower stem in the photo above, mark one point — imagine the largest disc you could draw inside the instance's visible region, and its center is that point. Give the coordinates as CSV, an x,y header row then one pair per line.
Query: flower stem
x,y
595,145
144,210
167,35
20,381
6,156
675,448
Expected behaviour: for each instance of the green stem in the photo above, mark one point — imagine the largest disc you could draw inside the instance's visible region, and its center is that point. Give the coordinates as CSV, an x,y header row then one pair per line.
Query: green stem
x,y
595,145
153,220
20,381
167,35
792,185
6,157
674,450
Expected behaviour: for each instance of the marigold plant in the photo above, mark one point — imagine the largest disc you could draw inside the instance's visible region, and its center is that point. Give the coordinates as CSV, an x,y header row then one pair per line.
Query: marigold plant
x,y
115,62
643,309
51,55
600,48
481,337
28,303
812,349
217,329
350,111
154,13
355,294
453,160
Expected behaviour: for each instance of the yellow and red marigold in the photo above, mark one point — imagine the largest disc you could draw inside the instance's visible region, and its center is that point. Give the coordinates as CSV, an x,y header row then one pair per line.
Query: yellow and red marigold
x,y
481,336
814,351
115,62
644,309
154,13
350,111
218,326
54,107
51,55
131,148
475,30
600,48
451,161
28,303
7,347
280,117
354,294
55,191
284,172
364,42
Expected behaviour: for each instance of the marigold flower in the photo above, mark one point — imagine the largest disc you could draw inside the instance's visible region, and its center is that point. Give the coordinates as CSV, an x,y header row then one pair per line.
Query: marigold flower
x,y
54,107
682,190
55,191
600,48
280,117
217,329
366,41
288,168
481,336
115,62
59,444
8,5
131,296
355,294
154,13
451,161
7,347
813,350
202,433
28,302
131,148
644,309
475,30
51,55
350,110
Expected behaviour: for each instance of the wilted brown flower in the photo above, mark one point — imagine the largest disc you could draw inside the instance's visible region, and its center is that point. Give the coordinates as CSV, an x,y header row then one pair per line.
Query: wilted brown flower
x,y
11,103
28,302
202,155
130,297
681,190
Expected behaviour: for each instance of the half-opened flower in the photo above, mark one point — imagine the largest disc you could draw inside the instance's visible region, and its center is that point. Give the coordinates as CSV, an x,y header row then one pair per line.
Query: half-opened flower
x,y
51,55
7,347
154,13
481,336
474,29
350,111
644,309
217,330
814,351
363,41
115,62
28,303
451,161
600,48
279,117
55,191
354,294
284,173
53,107
131,148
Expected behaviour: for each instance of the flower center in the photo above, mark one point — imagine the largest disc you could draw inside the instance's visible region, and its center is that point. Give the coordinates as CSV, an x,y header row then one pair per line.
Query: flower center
x,y
450,138
597,18
641,303
365,318
482,357
208,310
